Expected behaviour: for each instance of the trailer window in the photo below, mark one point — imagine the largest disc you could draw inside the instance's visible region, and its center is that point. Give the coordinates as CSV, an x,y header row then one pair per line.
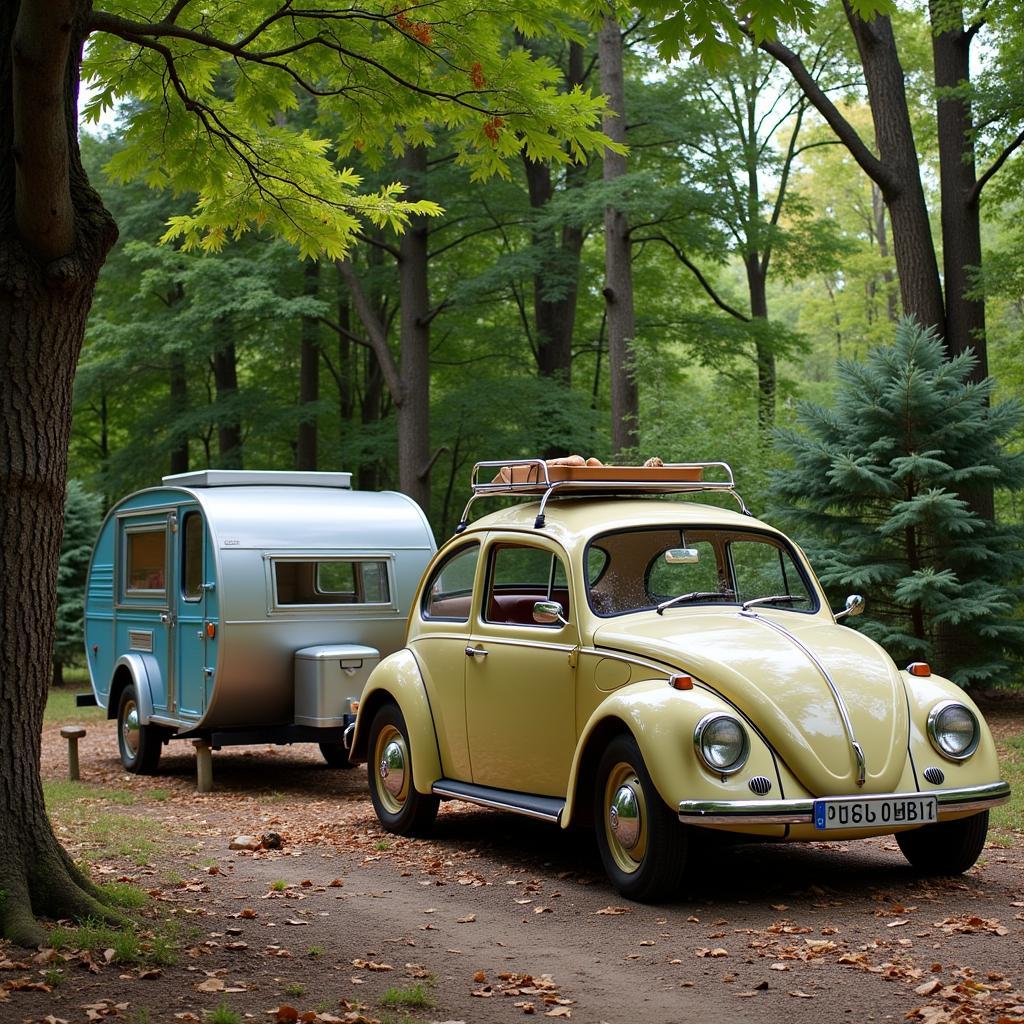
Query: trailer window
x,y
192,558
145,561
332,581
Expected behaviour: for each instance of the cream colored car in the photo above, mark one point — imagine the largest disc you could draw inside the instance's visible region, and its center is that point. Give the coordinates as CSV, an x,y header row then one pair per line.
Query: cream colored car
x,y
657,667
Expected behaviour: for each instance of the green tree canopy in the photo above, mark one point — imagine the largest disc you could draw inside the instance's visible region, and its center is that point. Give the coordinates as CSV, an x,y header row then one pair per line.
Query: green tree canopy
x,y
874,491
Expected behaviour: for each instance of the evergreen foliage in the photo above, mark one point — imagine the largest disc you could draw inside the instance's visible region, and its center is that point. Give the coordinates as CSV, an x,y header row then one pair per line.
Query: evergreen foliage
x,y
82,514
878,481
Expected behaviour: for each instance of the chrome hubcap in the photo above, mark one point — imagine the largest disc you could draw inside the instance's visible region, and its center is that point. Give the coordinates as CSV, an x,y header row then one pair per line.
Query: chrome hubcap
x,y
392,768
624,817
130,728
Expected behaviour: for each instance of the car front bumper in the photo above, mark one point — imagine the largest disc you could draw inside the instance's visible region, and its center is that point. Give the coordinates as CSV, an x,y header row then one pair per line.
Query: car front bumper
x,y
952,803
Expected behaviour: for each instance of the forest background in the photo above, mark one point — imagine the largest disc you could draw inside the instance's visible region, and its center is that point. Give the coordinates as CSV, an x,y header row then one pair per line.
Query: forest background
x,y
746,239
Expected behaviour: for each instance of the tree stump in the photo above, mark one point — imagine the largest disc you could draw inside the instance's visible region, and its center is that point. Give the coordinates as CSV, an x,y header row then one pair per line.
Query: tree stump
x,y
73,733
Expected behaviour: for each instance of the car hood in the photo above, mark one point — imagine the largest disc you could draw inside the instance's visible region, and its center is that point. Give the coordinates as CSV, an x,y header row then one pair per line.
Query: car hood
x,y
765,665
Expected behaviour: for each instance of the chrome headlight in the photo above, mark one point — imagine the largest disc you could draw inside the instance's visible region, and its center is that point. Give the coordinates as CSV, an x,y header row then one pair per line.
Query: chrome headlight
x,y
953,730
721,741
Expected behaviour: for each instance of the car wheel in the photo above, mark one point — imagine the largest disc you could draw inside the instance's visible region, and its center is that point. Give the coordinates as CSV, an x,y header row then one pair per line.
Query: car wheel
x,y
139,744
399,807
336,755
947,847
643,846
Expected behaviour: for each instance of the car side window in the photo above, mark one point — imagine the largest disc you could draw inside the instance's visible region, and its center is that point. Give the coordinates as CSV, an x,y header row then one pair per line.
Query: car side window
x,y
520,576
449,593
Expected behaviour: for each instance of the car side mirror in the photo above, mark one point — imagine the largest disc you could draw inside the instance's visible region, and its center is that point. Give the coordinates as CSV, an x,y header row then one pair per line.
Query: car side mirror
x,y
854,606
682,556
549,613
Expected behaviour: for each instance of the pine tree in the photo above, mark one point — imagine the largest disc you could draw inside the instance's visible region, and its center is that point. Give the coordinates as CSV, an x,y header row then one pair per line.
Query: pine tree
x,y
878,488
82,514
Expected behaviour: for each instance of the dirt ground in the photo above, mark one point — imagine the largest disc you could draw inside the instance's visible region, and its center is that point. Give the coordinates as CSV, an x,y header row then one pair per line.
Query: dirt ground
x,y
497,917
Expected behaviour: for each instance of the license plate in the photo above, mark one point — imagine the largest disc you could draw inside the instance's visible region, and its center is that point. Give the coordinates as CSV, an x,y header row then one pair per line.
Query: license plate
x,y
874,812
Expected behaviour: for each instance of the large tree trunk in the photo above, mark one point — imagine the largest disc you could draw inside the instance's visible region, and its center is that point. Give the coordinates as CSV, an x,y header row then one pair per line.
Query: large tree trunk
x,y
414,344
179,404
309,376
618,290
556,280
920,286
229,426
757,286
961,215
54,236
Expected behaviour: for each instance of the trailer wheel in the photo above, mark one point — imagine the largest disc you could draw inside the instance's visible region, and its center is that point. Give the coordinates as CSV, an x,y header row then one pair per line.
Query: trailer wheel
x,y
336,755
139,744
399,807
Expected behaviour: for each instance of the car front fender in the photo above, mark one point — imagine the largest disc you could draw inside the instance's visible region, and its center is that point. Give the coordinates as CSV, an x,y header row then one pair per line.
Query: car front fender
x,y
397,679
662,720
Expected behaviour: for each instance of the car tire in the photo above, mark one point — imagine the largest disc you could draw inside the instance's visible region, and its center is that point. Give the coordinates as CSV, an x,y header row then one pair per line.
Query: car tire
x,y
389,769
139,745
336,755
947,847
644,852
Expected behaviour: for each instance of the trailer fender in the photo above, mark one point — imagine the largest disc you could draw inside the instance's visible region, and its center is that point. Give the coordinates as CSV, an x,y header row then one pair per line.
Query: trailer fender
x,y
142,670
397,680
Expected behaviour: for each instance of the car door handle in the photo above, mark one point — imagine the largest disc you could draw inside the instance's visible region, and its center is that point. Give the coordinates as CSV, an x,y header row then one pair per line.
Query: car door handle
x,y
473,652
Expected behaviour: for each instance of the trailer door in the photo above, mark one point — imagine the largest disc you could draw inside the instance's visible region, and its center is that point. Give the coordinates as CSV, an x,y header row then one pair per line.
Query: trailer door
x,y
196,613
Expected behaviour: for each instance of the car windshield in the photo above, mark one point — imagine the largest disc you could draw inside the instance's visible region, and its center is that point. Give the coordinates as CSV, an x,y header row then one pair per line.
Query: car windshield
x,y
640,569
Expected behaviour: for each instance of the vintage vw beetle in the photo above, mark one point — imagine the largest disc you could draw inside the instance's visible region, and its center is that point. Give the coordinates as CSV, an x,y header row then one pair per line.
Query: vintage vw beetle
x,y
654,666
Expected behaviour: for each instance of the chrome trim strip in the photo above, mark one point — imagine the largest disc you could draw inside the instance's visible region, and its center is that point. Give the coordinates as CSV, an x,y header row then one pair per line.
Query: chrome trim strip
x,y
844,714
801,811
439,790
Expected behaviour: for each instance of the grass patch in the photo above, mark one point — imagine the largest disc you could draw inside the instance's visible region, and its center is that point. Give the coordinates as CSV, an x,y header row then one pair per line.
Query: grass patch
x,y
130,945
225,1015
97,937
415,997
278,885
1011,763
123,894
315,951
295,990
106,834
61,709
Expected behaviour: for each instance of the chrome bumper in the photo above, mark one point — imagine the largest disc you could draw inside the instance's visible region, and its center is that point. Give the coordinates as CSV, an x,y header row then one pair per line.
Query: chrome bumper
x,y
801,812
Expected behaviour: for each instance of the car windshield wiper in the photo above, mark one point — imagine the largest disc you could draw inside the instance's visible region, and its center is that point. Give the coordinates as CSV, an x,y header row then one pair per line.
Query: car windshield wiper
x,y
693,596
774,599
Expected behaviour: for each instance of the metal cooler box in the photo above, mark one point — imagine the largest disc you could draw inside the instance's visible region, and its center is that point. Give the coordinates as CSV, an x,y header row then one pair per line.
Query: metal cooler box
x,y
328,679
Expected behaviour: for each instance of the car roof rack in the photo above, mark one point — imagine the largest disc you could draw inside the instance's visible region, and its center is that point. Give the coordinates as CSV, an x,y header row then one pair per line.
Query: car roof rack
x,y
529,477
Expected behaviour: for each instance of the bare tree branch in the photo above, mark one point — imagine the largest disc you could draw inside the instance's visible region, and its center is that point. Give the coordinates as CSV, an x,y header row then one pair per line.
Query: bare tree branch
x,y
374,329
868,162
994,168
701,279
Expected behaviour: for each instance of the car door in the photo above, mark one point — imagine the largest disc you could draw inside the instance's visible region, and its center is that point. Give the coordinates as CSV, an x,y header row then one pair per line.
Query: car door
x,y
520,674
439,642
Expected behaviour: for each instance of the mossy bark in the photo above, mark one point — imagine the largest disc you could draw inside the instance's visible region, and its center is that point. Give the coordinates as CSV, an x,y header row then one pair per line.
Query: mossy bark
x,y
47,280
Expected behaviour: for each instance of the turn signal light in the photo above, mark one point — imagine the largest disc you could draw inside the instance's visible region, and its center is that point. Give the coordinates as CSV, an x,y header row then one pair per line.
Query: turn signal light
x,y
919,668
681,682
211,630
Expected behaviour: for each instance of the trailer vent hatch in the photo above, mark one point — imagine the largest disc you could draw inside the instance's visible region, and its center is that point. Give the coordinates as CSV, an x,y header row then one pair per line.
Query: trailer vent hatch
x,y
140,640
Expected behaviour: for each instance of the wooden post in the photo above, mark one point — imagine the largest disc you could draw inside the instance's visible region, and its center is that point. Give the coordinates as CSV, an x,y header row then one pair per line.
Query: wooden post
x,y
204,766
73,733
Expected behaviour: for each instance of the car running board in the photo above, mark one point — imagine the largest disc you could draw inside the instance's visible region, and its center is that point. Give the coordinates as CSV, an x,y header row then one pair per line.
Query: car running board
x,y
547,808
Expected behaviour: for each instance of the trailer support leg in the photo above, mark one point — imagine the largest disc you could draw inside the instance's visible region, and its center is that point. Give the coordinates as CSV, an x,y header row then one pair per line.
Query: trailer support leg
x,y
204,766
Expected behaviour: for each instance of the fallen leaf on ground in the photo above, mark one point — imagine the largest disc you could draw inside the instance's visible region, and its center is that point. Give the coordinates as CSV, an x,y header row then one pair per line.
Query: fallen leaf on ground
x,y
468,919
612,911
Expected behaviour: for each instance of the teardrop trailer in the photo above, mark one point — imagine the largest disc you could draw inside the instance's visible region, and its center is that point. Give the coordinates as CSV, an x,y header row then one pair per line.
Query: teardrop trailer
x,y
238,607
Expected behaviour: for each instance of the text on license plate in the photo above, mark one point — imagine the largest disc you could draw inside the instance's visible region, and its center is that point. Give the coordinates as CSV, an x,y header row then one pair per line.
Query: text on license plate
x,y
870,813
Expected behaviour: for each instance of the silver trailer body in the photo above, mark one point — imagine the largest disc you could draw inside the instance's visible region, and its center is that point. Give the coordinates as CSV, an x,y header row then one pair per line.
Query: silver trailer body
x,y
290,561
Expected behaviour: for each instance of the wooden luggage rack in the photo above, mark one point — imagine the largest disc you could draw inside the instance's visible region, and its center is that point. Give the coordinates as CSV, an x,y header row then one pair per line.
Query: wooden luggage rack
x,y
531,477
